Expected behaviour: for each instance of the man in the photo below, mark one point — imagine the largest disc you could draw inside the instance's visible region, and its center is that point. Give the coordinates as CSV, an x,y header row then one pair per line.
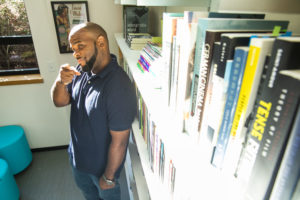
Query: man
x,y
103,106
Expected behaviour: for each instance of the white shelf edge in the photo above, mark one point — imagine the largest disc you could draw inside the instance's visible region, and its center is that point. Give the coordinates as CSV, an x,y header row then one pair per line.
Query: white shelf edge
x,y
138,173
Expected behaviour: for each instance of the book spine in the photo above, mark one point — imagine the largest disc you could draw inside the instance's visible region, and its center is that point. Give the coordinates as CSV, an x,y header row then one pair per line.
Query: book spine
x,y
145,61
147,55
162,161
195,80
173,78
212,99
287,177
227,50
202,86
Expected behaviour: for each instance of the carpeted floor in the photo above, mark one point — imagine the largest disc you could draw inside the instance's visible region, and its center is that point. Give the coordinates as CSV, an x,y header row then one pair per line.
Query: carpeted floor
x,y
49,177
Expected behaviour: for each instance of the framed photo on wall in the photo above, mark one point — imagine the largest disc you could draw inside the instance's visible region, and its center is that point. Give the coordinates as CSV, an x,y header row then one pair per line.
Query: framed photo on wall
x,y
67,14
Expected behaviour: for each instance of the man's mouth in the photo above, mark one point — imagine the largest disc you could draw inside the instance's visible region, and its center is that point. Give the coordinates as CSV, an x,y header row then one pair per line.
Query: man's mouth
x,y
80,61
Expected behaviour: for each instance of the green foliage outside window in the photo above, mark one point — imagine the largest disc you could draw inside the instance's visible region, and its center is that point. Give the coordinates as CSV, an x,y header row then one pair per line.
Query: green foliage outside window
x,y
14,22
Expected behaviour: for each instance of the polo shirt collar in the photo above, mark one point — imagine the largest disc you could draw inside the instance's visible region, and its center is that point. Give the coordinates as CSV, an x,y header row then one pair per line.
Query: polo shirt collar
x,y
110,67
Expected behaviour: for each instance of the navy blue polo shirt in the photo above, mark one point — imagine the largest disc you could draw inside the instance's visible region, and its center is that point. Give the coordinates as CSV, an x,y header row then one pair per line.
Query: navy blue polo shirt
x,y
99,103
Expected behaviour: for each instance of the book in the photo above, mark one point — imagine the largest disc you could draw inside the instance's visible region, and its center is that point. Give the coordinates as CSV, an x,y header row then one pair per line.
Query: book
x,y
218,23
138,38
296,194
137,46
235,80
212,100
169,30
162,161
152,144
223,85
272,127
289,171
135,20
236,15
284,56
186,64
157,154
175,65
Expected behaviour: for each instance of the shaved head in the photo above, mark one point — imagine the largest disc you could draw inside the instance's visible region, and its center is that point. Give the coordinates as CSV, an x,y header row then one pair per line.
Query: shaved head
x,y
93,29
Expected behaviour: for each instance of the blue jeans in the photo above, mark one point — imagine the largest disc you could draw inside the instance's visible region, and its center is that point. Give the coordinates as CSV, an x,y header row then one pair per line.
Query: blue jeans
x,y
89,186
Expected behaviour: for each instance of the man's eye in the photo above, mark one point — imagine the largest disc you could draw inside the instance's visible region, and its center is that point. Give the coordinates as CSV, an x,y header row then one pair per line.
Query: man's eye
x,y
80,47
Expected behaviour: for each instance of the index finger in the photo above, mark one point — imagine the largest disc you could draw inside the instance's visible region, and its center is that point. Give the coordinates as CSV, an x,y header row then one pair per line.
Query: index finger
x,y
70,68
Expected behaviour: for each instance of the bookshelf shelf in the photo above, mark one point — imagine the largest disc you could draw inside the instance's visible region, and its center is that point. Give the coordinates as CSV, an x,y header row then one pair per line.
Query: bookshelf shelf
x,y
193,169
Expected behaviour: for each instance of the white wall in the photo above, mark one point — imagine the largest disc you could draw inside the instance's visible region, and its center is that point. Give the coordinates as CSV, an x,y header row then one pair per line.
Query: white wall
x,y
30,105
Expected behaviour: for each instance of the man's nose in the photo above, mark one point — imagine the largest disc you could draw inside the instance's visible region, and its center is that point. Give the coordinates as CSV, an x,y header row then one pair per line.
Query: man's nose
x,y
76,54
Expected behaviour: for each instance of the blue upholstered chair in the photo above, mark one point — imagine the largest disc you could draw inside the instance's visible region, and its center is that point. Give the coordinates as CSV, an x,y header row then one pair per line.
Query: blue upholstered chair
x,y
14,148
8,186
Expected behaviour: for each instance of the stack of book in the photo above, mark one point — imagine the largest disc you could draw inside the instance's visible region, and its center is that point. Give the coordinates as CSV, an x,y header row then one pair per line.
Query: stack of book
x,y
150,62
137,41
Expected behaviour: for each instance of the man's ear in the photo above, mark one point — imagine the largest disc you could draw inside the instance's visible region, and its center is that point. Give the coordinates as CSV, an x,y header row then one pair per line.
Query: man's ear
x,y
101,41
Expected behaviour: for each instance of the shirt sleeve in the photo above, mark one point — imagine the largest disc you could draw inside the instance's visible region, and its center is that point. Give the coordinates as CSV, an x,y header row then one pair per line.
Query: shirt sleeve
x,y
121,105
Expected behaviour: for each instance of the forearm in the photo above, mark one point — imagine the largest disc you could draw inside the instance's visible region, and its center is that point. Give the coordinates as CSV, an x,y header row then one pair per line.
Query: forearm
x,y
116,154
59,94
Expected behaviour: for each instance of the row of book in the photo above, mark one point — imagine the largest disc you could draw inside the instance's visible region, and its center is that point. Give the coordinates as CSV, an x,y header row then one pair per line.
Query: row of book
x,y
150,59
235,85
217,75
155,147
161,164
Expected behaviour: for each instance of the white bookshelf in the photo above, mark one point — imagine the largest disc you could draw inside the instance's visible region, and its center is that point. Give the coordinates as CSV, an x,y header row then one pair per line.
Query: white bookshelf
x,y
195,177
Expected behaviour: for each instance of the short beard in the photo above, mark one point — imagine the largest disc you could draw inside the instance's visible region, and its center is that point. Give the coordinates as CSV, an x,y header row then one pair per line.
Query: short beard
x,y
90,63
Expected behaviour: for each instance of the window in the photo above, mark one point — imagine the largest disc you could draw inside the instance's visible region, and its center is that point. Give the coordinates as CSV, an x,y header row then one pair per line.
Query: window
x,y
17,54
